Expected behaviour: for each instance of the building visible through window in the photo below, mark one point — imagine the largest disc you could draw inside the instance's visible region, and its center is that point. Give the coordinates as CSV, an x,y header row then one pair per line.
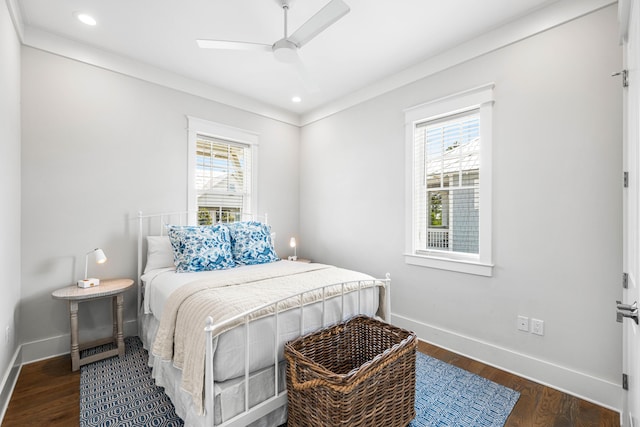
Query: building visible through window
x,y
222,180
449,149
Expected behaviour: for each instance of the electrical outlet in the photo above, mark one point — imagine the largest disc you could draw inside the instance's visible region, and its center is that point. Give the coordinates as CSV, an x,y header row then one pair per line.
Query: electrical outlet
x,y
523,323
537,326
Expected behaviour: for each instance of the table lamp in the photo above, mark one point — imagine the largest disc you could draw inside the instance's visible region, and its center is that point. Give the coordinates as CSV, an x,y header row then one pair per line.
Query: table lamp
x,y
292,243
101,258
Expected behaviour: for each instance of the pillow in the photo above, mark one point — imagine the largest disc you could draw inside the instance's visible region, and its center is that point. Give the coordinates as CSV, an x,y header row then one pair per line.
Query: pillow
x,y
200,248
159,253
251,243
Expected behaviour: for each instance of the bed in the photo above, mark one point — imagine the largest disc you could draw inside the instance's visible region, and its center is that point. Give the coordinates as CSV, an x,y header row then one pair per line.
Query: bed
x,y
211,333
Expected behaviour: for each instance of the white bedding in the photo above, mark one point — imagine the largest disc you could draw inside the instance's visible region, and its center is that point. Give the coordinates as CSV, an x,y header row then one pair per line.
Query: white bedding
x,y
229,399
229,348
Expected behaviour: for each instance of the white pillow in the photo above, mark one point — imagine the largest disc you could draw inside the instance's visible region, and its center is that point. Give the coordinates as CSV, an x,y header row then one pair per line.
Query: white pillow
x,y
159,253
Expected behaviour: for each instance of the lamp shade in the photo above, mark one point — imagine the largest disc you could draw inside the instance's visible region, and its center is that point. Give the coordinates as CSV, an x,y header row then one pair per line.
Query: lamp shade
x,y
292,242
101,258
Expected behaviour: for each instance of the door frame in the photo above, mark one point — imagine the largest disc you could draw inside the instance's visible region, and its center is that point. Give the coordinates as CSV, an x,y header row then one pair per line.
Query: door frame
x,y
628,15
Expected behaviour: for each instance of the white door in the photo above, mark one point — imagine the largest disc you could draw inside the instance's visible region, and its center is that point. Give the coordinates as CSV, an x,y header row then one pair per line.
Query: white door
x,y
630,21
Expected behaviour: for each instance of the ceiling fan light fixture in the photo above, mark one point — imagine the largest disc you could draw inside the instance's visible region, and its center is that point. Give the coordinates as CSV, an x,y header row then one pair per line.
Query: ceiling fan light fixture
x,y
285,51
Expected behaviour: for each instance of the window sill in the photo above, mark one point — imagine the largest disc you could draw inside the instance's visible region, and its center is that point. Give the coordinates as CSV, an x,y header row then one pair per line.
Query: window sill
x,y
460,266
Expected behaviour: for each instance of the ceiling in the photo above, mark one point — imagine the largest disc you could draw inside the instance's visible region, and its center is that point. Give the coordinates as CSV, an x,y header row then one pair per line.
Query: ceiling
x,y
375,40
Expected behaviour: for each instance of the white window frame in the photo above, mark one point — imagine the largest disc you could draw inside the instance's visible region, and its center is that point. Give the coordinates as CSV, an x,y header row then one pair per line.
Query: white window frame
x,y
203,127
480,98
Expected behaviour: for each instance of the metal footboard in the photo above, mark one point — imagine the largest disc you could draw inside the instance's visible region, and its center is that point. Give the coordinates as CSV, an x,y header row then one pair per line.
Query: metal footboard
x,y
278,399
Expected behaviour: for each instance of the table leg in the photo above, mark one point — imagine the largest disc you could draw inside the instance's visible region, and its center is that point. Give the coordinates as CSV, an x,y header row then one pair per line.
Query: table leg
x,y
75,351
118,324
114,318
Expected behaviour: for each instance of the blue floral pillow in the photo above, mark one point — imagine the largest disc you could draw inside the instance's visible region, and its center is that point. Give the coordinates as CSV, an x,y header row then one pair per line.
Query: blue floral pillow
x,y
200,248
251,243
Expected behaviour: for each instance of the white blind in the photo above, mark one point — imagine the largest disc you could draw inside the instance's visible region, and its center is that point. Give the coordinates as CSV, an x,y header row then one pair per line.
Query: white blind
x,y
447,173
223,175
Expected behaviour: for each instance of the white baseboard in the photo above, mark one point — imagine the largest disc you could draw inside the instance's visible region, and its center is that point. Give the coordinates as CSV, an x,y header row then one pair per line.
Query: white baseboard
x,y
56,346
9,381
579,384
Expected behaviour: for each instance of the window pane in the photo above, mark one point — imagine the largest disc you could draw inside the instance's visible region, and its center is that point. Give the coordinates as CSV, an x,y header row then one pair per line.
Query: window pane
x,y
451,152
209,215
433,181
222,179
465,221
438,208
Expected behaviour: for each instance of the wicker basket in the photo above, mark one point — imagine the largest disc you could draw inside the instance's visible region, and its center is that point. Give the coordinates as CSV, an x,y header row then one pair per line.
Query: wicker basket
x,y
357,373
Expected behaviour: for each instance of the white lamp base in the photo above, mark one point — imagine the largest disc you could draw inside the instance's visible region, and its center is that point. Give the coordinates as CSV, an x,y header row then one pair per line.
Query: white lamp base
x,y
293,258
88,283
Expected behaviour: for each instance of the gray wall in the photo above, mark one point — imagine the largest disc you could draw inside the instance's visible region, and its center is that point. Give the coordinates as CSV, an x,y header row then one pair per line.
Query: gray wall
x,y
97,147
557,243
9,191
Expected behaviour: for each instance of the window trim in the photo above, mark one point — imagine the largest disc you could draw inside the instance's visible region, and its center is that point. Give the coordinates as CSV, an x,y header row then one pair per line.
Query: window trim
x,y
480,98
195,127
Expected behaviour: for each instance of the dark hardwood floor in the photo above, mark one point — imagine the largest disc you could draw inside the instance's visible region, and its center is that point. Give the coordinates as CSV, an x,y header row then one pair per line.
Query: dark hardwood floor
x,y
48,394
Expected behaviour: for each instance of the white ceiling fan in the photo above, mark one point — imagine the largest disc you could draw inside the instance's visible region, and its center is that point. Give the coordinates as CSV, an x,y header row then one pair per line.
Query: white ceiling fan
x,y
286,49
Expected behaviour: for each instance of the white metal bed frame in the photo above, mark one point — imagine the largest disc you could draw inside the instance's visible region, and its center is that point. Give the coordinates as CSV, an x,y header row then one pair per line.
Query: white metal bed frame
x,y
251,414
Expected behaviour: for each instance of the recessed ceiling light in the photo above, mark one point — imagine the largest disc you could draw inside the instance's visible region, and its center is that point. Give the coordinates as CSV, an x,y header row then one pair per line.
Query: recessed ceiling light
x,y
85,18
296,99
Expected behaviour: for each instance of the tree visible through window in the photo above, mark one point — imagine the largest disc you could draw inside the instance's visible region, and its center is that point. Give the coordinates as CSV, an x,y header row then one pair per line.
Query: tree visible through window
x,y
435,210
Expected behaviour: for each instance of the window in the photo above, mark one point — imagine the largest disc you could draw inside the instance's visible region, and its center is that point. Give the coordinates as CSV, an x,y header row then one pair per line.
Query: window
x,y
446,189
222,171
449,182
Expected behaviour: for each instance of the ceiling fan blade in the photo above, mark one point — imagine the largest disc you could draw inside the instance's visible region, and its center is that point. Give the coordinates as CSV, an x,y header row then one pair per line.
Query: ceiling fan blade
x,y
225,44
326,16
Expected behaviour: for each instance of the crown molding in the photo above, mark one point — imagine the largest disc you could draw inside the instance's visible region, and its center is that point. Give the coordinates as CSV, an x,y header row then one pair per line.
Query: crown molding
x,y
537,22
81,52
16,18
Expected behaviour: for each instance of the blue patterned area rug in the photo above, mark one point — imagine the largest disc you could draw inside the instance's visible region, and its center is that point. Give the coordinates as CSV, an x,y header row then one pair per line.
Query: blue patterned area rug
x,y
447,396
120,392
